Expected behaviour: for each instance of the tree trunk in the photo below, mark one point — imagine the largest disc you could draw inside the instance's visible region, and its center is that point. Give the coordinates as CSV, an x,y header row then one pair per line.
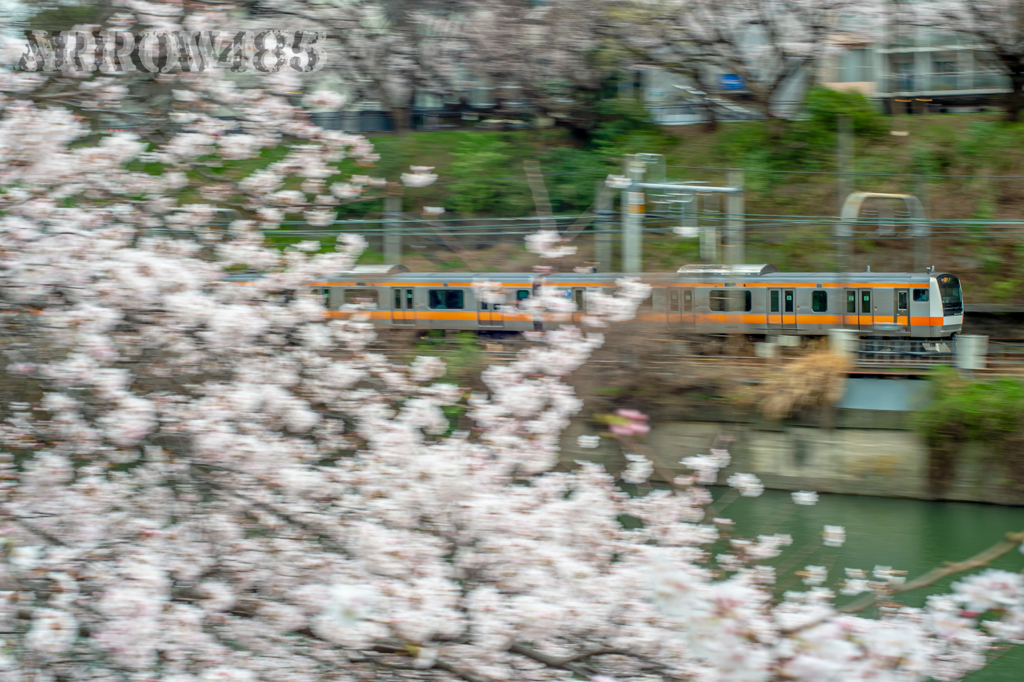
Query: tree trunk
x,y
776,125
1015,100
580,133
711,122
401,119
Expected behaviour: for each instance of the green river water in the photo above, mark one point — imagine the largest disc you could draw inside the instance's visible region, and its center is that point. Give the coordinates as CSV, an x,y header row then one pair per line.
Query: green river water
x,y
909,535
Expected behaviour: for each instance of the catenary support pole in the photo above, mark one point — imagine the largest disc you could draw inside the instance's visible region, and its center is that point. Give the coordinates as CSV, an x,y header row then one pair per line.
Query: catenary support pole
x,y
844,158
734,227
633,206
603,244
393,228
922,229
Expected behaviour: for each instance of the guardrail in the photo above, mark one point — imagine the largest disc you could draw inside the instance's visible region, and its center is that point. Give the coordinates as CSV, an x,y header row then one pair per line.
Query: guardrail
x,y
968,352
910,357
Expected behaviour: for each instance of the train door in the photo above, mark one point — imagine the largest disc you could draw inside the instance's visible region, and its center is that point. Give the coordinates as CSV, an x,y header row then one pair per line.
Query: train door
x,y
689,310
850,319
901,309
579,297
680,309
867,310
490,315
403,314
774,309
789,309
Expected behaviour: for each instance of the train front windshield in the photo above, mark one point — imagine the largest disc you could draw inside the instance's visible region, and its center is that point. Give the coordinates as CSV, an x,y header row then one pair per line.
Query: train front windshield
x,y
952,299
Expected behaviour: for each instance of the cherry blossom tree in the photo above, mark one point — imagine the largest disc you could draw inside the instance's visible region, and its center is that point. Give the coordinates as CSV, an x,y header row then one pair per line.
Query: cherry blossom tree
x,y
387,51
993,25
205,480
557,52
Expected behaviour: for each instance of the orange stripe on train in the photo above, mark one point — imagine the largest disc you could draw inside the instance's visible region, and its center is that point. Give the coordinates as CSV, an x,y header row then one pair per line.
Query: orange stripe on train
x,y
660,318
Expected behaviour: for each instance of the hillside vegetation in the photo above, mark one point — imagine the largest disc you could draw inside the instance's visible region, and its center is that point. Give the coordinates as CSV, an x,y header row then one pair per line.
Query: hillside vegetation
x,y
789,173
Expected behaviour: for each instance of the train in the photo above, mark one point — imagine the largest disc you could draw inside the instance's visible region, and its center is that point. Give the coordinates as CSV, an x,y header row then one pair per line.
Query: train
x,y
755,300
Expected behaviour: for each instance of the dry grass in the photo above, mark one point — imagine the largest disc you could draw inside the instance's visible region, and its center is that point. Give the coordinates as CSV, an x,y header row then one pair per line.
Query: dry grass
x,y
815,380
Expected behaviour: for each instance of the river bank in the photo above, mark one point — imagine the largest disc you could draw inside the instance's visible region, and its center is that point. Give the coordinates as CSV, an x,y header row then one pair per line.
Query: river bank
x,y
848,451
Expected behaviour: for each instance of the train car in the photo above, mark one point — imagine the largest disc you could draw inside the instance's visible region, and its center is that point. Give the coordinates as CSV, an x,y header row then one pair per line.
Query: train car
x,y
756,300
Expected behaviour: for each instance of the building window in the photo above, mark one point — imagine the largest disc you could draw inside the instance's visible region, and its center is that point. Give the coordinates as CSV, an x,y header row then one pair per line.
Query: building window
x,y
446,299
855,66
819,301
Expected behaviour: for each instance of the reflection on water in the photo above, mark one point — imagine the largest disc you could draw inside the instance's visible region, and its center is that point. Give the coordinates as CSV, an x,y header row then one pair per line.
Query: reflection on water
x,y
908,535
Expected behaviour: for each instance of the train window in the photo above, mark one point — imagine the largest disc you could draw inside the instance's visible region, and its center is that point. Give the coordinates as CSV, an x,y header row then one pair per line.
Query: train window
x,y
719,301
673,302
789,301
366,298
865,302
522,294
921,295
952,298
408,299
446,299
688,301
725,301
819,301
325,293
774,302
851,301
901,301
398,299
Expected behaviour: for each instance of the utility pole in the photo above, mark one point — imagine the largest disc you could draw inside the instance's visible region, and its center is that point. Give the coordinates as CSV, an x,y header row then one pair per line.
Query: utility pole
x,y
844,158
708,240
393,225
603,228
633,206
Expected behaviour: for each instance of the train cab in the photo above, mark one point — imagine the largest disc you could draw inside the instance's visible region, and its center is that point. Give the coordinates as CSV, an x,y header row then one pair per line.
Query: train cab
x,y
948,303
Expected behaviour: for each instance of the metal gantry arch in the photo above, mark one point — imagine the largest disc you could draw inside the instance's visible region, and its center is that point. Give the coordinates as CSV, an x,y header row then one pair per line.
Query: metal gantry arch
x,y
920,230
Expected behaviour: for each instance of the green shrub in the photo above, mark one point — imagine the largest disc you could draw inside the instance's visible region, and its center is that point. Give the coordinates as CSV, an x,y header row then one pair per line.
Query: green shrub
x,y
823,107
805,144
571,175
490,176
964,411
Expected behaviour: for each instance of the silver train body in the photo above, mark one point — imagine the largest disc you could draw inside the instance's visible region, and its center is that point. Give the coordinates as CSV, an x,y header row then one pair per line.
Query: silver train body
x,y
749,299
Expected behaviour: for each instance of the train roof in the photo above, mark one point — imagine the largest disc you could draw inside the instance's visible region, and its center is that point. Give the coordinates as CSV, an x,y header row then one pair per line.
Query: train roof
x,y
852,277
363,275
726,270
376,270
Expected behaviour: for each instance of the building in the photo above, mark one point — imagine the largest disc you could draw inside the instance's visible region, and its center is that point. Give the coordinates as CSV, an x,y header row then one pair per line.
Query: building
x,y
916,69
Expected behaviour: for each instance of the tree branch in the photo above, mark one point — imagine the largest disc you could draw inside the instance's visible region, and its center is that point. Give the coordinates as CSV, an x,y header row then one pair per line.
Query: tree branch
x,y
1012,541
980,559
552,662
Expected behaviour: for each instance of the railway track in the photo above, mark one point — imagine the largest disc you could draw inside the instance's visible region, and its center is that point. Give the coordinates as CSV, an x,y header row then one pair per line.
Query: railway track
x,y
873,357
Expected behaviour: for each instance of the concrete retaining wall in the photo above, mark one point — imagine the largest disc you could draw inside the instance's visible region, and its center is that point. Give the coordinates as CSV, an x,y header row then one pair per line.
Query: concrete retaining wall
x,y
852,457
